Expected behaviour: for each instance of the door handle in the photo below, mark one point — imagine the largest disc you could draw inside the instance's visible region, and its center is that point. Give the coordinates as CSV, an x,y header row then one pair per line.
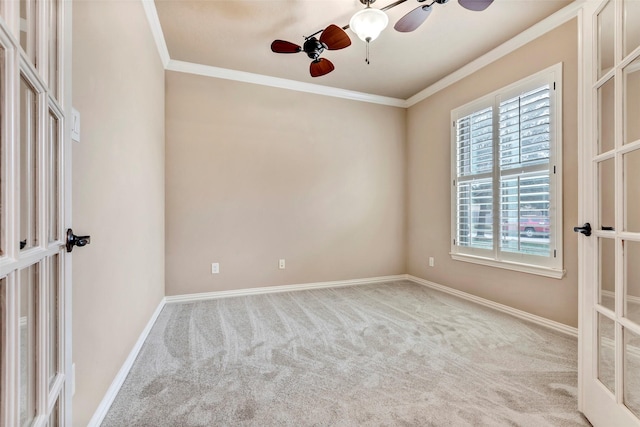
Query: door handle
x,y
73,240
585,229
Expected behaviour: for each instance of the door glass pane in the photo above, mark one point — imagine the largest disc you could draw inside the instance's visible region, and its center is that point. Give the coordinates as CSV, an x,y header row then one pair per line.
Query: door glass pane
x,y
28,166
632,191
607,273
53,313
631,27
606,125
606,21
632,280
28,310
606,176
632,371
54,171
632,100
28,28
53,47
54,419
606,352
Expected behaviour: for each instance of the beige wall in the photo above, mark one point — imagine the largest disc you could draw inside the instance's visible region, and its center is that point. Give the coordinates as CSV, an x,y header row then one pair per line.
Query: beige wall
x,y
118,191
255,174
339,189
428,202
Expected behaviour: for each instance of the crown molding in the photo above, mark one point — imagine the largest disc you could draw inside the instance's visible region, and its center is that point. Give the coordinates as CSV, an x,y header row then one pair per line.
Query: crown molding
x,y
560,17
550,23
156,30
259,79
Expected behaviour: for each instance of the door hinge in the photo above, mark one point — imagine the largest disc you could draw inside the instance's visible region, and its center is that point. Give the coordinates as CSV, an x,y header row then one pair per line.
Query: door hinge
x,y
554,169
554,85
555,253
454,182
454,242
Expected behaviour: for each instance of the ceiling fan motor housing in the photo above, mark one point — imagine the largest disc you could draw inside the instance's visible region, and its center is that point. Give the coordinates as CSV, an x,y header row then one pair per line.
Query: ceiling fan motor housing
x,y
313,47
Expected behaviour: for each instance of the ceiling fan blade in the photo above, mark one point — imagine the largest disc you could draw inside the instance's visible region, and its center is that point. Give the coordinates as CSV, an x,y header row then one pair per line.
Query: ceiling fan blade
x,y
413,19
282,46
335,38
475,5
320,67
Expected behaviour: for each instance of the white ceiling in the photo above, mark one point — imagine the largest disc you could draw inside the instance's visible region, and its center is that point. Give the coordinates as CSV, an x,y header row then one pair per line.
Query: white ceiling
x,y
237,34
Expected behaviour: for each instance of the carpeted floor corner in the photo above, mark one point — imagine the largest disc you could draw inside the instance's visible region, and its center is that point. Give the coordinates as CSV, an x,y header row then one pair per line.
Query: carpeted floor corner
x,y
390,354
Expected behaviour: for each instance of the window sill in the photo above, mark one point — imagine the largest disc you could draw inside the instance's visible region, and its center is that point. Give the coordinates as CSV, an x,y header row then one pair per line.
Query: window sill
x,y
508,265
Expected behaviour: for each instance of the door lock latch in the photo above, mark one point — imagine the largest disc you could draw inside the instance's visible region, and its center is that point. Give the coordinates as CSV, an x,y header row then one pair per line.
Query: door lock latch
x,y
585,229
73,240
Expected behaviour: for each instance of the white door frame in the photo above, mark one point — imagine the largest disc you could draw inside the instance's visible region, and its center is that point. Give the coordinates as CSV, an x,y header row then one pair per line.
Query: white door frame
x,y
594,399
585,189
15,63
67,65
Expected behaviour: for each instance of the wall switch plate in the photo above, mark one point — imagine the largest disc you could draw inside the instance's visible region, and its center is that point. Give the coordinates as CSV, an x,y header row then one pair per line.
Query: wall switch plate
x,y
75,125
431,261
215,268
281,264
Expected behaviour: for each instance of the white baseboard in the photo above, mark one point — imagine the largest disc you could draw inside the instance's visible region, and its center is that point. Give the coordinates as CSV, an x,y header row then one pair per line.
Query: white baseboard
x,y
283,288
560,327
557,326
113,390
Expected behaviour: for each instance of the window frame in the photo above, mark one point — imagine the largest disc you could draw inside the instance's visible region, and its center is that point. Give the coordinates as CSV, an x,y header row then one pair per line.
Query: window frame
x,y
551,266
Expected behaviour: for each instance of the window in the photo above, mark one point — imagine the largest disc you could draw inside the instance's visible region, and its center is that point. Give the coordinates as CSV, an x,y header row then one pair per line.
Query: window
x,y
506,177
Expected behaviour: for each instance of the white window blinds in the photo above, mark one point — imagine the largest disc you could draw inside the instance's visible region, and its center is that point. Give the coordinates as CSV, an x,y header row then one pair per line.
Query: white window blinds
x,y
524,129
504,204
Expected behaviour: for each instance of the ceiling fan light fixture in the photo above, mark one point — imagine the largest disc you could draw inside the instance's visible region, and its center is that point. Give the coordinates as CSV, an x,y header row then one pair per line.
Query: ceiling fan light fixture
x,y
368,23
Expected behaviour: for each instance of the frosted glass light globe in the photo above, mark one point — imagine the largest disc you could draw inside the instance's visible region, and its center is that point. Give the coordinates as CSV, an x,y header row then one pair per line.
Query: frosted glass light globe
x,y
368,23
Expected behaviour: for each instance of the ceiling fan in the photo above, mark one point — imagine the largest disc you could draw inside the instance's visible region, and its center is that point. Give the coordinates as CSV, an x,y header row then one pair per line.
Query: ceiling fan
x,y
334,37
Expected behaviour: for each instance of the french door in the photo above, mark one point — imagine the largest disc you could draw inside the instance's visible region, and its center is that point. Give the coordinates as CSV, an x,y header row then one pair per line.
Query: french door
x,y
34,185
610,203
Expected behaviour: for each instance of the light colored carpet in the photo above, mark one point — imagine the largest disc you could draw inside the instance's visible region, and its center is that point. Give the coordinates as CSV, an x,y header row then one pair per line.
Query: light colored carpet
x,y
392,354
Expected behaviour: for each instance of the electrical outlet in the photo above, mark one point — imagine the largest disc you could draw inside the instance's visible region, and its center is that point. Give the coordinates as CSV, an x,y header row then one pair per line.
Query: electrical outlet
x,y
281,264
215,268
432,262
